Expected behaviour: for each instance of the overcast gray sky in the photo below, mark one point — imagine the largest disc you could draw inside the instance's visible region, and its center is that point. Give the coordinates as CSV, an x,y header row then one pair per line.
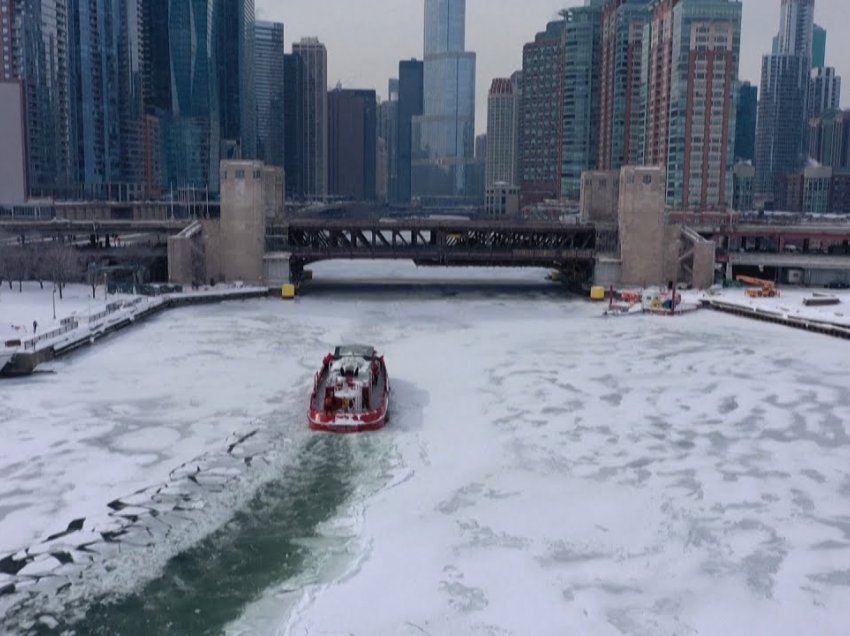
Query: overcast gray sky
x,y
367,38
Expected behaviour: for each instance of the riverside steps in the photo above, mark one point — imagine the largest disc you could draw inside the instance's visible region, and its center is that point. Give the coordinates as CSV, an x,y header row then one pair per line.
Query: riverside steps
x,y
75,333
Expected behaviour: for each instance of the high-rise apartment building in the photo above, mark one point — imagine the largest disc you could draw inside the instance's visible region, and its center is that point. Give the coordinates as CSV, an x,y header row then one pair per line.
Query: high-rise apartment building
x,y
313,128
691,58
410,103
620,132
824,91
657,74
582,53
541,121
745,122
352,139
269,91
445,132
502,164
234,24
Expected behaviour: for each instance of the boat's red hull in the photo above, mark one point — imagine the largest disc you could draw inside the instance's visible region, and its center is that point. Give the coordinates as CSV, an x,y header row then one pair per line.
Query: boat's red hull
x,y
330,424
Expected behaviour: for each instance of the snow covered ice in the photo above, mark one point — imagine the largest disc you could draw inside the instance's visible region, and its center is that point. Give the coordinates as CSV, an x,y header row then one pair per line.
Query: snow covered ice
x,y
546,470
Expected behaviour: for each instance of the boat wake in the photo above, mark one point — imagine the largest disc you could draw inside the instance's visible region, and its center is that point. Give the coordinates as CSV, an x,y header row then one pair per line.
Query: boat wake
x,y
60,575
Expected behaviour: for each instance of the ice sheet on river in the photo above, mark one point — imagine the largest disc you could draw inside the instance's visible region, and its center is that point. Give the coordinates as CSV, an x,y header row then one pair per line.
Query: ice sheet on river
x,y
559,472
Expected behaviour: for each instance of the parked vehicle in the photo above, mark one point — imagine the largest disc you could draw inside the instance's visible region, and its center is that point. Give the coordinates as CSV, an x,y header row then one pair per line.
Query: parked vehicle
x,y
838,284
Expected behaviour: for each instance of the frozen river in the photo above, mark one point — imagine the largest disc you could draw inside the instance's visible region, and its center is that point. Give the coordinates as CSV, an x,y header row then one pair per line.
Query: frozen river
x,y
546,471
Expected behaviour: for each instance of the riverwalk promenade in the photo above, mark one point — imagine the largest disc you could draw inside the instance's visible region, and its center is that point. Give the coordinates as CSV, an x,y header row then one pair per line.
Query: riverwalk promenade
x,y
21,356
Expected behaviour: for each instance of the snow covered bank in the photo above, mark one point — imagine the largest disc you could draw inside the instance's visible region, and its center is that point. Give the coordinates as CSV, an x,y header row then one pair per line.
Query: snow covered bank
x,y
70,330
18,310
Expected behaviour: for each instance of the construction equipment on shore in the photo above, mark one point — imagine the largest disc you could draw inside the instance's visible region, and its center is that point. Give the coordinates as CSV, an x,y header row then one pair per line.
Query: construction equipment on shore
x,y
761,288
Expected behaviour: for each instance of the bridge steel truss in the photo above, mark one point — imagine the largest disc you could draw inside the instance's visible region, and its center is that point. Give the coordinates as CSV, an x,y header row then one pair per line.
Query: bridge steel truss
x,y
570,248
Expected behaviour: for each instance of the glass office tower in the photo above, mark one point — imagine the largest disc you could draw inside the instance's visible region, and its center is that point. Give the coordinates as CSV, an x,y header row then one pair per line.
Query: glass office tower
x,y
269,91
444,135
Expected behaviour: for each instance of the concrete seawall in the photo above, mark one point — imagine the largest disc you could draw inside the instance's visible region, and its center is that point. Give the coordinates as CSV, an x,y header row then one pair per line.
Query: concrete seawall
x,y
825,328
25,362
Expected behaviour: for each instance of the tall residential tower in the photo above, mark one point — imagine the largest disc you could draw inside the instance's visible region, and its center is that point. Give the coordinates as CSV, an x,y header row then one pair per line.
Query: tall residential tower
x,y
503,131
541,123
691,60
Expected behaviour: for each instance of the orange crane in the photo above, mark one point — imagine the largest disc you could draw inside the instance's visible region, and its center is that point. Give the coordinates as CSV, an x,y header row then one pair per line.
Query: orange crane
x,y
762,288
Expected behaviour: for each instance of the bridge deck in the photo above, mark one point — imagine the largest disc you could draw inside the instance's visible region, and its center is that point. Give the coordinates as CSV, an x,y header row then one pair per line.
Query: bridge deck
x,y
437,241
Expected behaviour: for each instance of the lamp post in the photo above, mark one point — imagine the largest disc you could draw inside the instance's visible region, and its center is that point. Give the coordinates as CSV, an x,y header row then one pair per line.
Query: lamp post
x,y
54,302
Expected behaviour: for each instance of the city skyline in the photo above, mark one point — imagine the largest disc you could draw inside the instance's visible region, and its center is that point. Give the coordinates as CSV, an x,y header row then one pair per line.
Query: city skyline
x,y
394,31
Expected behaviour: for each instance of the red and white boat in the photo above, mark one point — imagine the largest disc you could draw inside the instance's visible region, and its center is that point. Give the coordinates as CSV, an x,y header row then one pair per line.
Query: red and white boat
x,y
351,392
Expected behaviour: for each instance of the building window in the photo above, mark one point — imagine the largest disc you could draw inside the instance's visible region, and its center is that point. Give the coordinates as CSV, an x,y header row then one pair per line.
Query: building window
x,y
647,179
240,174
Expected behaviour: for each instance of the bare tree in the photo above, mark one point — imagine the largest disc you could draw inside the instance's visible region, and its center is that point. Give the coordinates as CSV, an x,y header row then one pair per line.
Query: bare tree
x,y
4,265
15,260
35,262
63,264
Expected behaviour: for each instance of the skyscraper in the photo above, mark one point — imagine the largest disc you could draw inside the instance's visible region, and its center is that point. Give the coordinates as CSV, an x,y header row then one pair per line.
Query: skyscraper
x,y
620,131
783,104
352,139
779,138
818,46
410,104
7,39
541,123
691,70
824,91
657,64
234,25
445,131
829,140
582,50
313,127
745,122
503,132
180,81
107,59
796,28
292,121
34,48
388,138
269,91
